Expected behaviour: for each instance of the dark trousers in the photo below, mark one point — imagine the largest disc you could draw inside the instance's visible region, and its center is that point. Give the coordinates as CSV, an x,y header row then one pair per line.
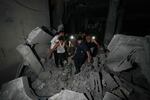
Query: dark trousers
x,y
56,57
95,51
79,61
61,58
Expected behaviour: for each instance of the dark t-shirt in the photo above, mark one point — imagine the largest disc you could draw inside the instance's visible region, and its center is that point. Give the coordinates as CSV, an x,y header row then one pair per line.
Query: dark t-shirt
x,y
90,45
81,50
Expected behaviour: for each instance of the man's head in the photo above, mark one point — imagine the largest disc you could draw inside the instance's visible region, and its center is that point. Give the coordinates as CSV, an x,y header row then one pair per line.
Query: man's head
x,y
61,33
88,38
79,39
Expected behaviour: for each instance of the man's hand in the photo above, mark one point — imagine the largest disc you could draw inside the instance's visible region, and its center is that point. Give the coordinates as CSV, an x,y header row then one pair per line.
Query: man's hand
x,y
94,41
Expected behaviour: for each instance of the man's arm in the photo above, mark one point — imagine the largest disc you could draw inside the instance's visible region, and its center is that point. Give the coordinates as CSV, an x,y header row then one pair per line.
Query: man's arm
x,y
89,56
97,44
54,39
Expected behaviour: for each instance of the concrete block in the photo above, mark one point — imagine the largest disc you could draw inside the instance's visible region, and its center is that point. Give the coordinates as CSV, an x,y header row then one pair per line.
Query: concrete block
x,y
29,56
120,66
42,50
37,35
17,89
108,81
121,39
45,75
68,95
121,47
110,96
118,92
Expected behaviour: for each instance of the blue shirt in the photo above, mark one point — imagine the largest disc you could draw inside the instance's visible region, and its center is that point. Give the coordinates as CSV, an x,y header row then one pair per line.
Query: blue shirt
x,y
81,50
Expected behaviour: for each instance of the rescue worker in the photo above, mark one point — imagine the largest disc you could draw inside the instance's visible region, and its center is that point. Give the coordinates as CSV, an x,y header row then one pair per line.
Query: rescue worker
x,y
61,52
92,44
53,47
81,54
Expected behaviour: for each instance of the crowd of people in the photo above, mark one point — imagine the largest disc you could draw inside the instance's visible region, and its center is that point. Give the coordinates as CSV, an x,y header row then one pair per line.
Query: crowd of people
x,y
80,48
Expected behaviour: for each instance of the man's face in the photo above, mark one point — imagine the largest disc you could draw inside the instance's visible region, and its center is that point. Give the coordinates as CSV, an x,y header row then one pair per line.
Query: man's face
x,y
79,41
88,39
62,33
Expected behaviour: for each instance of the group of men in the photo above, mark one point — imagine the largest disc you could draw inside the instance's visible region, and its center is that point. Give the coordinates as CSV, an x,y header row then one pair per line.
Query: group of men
x,y
81,48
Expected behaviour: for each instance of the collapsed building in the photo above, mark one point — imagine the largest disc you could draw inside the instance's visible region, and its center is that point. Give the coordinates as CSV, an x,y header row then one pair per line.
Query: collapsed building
x,y
119,73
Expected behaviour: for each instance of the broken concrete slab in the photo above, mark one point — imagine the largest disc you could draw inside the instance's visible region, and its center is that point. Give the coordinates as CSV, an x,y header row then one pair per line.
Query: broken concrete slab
x,y
68,95
118,92
42,50
146,56
40,39
110,96
122,45
120,48
124,88
120,66
37,35
108,81
142,94
29,56
121,39
17,89
45,75
38,84
148,36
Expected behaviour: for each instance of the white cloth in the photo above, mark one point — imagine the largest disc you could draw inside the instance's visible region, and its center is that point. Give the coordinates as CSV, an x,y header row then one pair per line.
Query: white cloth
x,y
60,48
54,41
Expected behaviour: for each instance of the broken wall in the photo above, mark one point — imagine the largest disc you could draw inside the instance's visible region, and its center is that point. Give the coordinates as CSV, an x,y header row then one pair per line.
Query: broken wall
x,y
127,50
18,18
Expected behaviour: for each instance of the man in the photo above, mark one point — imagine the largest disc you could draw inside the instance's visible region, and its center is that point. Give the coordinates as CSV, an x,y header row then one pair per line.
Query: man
x,y
54,45
92,44
61,52
81,54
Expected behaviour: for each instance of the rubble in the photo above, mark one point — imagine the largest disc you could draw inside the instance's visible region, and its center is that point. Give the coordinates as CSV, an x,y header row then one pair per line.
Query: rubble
x,y
120,74
37,36
39,40
68,95
110,96
29,57
108,81
17,89
126,50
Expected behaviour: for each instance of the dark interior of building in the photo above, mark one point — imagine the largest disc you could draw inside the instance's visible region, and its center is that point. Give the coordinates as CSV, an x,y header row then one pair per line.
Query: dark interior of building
x,y
121,68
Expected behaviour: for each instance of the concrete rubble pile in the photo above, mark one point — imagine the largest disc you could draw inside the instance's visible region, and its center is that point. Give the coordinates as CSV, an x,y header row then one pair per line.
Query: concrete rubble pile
x,y
34,52
63,95
120,74
40,40
17,89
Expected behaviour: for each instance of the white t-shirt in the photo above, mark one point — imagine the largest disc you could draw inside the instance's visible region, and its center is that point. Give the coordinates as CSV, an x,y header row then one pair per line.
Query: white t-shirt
x,y
54,41
60,48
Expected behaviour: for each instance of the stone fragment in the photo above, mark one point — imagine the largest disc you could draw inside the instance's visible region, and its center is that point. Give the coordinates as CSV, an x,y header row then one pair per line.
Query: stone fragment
x,y
108,81
45,75
118,92
122,65
17,89
110,96
40,40
29,57
38,84
68,95
37,35
126,50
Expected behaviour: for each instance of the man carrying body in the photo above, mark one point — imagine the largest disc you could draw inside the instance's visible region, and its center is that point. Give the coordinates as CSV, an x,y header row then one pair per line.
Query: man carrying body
x,y
81,54
54,45
92,44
